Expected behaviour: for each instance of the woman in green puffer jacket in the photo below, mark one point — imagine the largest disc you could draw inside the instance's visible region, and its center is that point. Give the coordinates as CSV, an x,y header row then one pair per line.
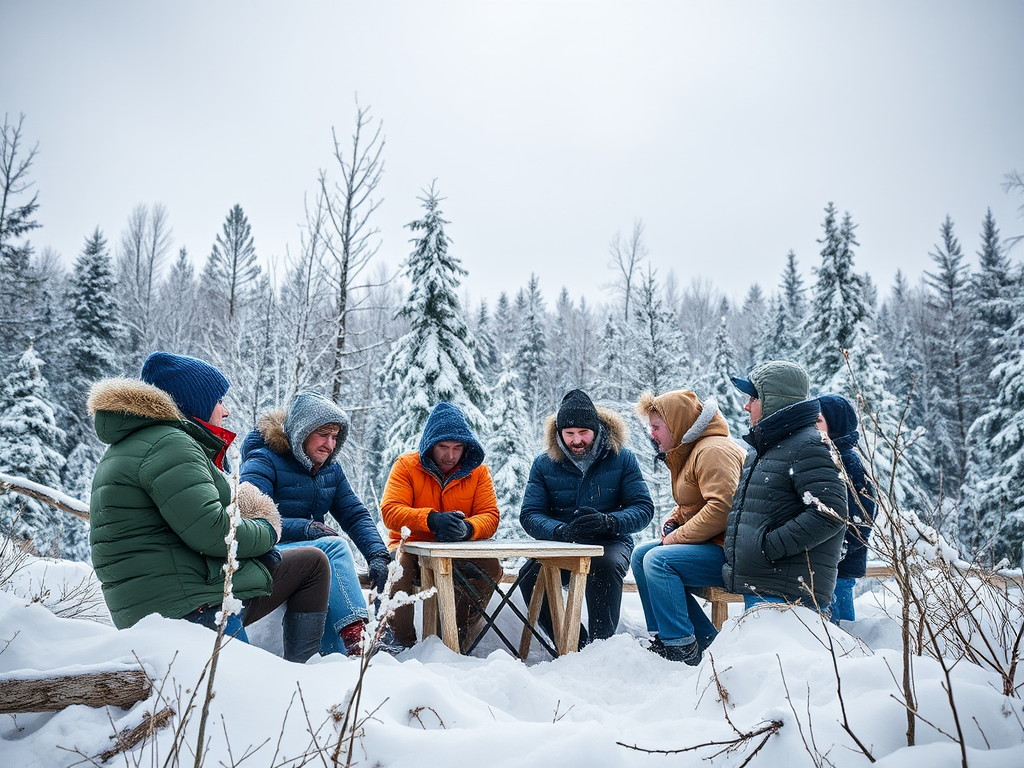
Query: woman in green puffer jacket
x,y
159,510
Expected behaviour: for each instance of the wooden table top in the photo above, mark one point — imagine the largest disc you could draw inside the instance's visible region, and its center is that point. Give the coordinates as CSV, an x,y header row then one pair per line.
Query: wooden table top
x,y
501,549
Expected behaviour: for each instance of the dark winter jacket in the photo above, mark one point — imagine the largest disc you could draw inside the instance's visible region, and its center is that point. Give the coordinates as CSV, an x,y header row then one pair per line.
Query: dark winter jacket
x,y
612,483
842,430
302,495
158,510
416,486
775,542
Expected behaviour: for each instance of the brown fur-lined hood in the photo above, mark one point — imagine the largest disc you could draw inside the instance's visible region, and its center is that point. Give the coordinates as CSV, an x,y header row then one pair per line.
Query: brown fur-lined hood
x,y
271,429
613,426
132,397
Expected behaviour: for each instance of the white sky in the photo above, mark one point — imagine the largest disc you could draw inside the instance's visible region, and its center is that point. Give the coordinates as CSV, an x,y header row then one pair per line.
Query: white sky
x,y
549,126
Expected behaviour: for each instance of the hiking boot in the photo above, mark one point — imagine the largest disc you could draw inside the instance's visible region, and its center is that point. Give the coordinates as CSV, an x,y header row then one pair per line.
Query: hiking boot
x,y
690,654
352,638
656,645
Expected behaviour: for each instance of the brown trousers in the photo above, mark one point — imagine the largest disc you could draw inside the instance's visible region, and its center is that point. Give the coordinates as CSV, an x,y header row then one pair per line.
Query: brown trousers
x,y
468,620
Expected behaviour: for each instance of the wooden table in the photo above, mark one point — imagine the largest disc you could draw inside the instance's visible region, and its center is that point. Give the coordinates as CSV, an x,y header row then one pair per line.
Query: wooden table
x,y
436,571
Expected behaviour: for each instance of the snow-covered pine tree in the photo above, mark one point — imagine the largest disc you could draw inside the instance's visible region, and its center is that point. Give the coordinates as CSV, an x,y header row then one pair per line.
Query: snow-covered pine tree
x,y
532,356
991,300
992,517
485,350
231,274
784,317
178,323
433,362
94,335
838,302
720,386
510,451
653,343
747,328
610,364
29,436
954,383
505,327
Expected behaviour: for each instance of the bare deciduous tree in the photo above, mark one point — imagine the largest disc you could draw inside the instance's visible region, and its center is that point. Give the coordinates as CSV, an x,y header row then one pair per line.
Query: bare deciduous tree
x,y
353,241
626,256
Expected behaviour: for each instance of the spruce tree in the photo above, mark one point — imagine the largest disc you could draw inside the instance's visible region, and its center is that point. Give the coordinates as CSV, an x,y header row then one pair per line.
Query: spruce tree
x,y
652,341
723,368
954,383
509,450
991,300
532,356
485,351
433,362
29,437
992,517
231,272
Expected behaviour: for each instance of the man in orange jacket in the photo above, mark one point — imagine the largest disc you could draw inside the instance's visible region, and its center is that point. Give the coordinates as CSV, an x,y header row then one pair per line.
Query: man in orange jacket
x,y
443,492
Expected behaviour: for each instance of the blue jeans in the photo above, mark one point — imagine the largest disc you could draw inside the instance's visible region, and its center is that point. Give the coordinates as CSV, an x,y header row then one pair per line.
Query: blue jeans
x,y
207,617
665,577
842,601
749,601
346,603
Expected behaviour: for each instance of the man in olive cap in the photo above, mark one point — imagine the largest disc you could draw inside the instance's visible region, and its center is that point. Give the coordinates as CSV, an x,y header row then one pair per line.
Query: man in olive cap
x,y
788,517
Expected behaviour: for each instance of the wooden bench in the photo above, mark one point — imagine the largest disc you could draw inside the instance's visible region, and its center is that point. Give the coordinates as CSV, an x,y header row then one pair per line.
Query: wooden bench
x,y
720,599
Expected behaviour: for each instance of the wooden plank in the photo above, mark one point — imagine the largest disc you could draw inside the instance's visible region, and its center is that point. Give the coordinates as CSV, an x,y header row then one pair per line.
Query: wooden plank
x,y
501,549
93,689
552,578
536,600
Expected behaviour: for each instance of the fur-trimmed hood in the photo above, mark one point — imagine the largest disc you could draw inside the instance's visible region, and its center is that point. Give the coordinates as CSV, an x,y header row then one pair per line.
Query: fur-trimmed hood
x,y
688,418
614,432
132,397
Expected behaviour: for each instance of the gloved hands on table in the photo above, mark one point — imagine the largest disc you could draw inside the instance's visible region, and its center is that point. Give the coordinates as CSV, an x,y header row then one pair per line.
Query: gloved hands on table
x,y
449,526
588,525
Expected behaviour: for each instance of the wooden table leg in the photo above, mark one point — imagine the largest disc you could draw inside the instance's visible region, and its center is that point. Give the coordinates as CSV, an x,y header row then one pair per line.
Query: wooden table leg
x,y
553,589
446,602
430,604
536,600
569,642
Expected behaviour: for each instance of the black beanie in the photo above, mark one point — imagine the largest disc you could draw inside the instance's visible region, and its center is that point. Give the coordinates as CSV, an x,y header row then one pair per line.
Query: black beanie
x,y
577,411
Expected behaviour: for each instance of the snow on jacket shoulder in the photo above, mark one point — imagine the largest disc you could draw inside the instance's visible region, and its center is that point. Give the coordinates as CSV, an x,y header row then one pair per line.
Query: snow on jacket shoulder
x,y
302,495
159,510
613,483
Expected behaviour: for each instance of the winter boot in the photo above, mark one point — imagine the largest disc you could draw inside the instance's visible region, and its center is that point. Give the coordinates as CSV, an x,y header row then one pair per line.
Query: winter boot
x,y
656,645
352,637
689,654
302,634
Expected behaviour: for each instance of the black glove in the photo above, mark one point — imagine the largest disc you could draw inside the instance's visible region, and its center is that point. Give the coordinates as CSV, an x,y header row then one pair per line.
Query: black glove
x,y
560,534
591,527
377,565
449,526
271,560
670,525
317,530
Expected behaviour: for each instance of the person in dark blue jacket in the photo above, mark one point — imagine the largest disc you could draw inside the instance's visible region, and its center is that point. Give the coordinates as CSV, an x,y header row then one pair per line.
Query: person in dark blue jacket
x,y
293,459
587,488
838,420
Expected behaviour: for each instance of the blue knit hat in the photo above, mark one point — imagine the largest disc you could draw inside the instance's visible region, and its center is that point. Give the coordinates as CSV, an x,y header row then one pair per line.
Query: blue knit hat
x,y
195,386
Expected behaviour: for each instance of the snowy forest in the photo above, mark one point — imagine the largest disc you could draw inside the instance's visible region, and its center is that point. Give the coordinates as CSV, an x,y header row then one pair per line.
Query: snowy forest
x,y
934,361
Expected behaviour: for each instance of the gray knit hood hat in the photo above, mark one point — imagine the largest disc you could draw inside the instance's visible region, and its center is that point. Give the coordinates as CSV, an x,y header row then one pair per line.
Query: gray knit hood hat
x,y
308,412
779,384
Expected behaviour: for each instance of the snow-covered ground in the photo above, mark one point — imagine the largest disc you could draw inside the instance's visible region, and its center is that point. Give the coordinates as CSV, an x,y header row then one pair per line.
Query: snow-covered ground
x,y
431,707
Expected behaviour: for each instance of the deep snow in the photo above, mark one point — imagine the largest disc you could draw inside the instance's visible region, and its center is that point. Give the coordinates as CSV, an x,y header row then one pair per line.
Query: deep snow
x,y
431,707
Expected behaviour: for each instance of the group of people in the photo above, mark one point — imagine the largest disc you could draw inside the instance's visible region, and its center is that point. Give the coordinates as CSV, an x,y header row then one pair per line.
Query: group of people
x,y
771,522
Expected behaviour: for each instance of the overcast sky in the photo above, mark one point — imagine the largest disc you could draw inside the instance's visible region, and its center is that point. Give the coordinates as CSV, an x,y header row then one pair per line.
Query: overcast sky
x,y
549,126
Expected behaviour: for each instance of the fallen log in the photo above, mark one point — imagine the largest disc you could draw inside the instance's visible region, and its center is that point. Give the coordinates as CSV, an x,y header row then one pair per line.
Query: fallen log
x,y
119,688
131,737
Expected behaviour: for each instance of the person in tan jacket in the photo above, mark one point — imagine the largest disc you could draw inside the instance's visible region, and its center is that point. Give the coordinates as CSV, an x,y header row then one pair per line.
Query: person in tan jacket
x,y
705,464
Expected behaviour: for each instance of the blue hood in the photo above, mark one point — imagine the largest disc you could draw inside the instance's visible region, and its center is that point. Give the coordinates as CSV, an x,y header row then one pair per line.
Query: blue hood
x,y
841,419
446,422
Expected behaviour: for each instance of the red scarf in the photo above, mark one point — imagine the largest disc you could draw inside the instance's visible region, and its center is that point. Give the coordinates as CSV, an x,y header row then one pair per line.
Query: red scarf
x,y
226,437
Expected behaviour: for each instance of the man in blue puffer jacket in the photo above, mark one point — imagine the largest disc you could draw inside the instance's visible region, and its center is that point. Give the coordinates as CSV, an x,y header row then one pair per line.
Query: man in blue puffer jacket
x,y
293,459
587,488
